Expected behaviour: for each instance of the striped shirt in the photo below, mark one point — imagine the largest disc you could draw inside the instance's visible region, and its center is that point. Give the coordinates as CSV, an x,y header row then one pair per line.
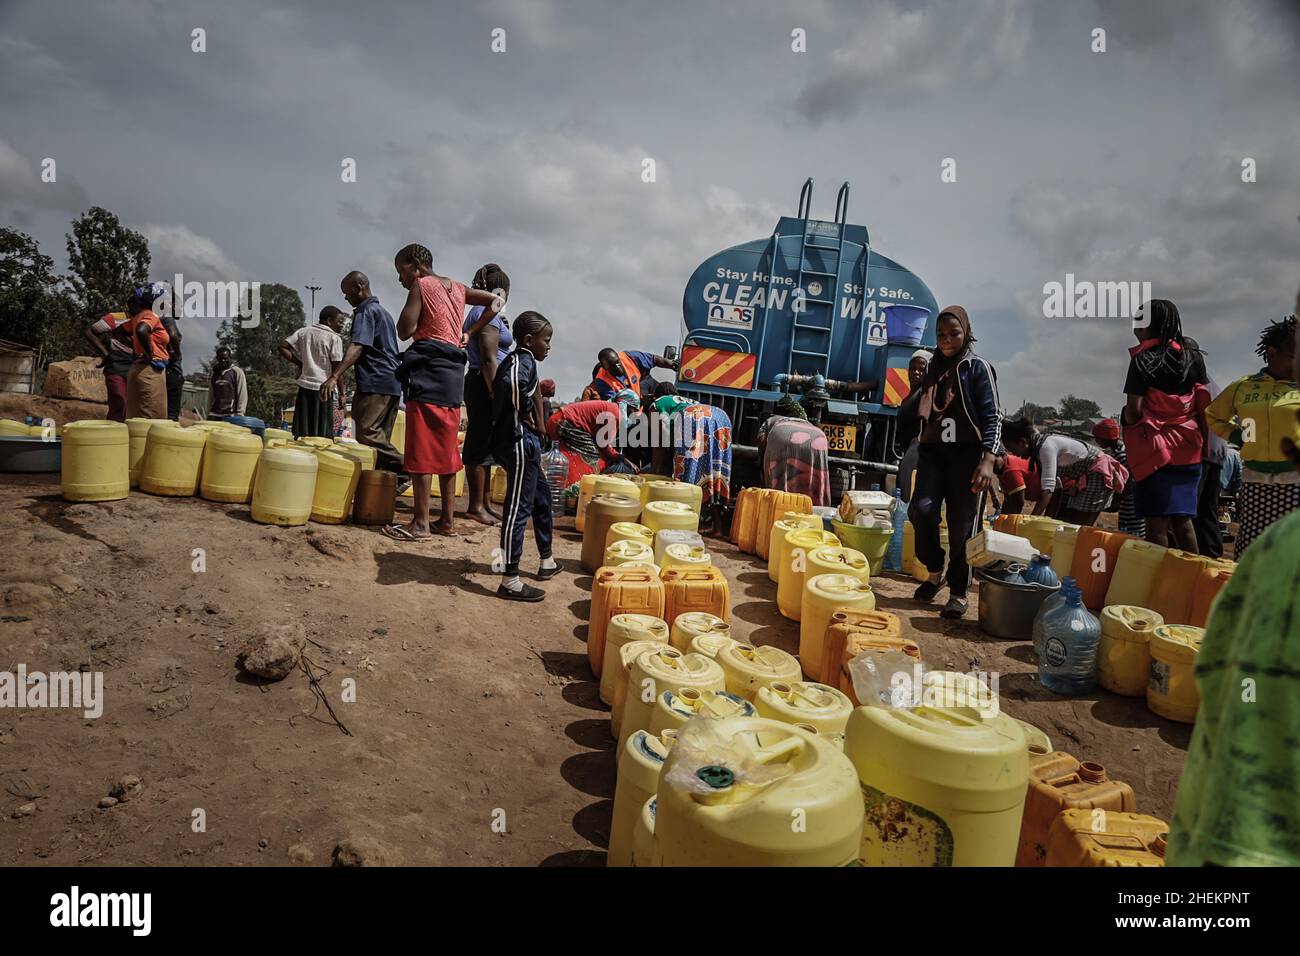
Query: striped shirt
x,y
1130,521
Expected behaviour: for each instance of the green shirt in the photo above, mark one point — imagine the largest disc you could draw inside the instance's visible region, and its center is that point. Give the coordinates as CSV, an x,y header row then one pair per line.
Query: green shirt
x,y
1238,802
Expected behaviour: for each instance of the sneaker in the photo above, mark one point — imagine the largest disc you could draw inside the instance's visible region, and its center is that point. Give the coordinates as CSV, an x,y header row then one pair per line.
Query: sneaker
x,y
928,590
954,609
525,593
545,574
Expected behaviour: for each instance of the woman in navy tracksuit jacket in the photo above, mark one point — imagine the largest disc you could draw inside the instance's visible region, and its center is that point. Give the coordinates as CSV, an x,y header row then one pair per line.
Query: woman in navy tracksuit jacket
x,y
961,434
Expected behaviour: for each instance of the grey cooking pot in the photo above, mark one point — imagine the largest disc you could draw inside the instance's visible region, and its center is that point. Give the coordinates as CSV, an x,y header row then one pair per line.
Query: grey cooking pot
x,y
1008,607
30,454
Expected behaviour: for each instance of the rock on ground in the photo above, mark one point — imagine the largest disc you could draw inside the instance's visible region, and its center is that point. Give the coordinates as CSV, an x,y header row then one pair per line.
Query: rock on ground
x,y
273,650
78,378
363,851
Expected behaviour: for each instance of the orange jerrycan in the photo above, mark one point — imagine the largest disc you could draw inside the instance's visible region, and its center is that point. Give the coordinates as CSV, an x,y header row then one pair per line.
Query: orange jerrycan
x,y
695,589
1095,556
629,589
744,520
1057,781
1082,838
858,622
1214,576
1171,594
771,508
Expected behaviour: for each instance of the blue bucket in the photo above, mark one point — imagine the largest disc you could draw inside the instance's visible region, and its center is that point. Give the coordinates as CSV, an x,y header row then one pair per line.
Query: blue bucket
x,y
255,425
905,324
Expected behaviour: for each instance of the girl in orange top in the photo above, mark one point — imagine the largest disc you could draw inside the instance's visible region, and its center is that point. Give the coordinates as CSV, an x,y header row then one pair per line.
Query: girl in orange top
x,y
432,317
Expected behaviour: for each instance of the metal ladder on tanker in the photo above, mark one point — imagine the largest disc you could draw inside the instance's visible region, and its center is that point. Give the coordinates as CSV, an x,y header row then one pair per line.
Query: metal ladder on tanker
x,y
831,279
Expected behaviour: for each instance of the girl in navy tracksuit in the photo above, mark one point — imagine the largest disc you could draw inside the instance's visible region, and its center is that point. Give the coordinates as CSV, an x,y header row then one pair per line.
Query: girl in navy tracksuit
x,y
961,434
517,427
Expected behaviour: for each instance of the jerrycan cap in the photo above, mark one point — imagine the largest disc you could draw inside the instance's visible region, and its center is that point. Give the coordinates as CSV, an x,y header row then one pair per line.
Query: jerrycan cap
x,y
719,778
1092,772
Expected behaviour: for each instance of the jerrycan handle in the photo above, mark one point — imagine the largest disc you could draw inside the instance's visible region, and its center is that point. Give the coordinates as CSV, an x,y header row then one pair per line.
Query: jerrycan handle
x,y
789,747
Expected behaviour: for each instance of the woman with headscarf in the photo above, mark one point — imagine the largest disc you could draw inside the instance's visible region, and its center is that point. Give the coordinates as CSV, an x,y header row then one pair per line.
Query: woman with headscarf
x,y
908,427
961,434
587,434
1076,480
1107,434
795,453
701,449
146,383
1164,424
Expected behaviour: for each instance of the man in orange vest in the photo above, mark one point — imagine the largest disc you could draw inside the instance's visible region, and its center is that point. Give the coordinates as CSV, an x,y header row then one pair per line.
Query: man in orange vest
x,y
620,370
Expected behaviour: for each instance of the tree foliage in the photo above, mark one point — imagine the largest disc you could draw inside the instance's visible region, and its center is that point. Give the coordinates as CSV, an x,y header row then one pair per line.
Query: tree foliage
x,y
33,301
106,261
1035,413
254,348
1079,409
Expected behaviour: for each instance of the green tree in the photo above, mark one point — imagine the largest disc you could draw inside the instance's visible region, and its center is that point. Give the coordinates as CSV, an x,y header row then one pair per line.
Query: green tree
x,y
106,261
254,347
1079,409
1035,413
32,300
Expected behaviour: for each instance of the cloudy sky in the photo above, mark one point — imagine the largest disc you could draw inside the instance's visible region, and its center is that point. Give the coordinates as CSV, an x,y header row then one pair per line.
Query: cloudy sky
x,y
1117,166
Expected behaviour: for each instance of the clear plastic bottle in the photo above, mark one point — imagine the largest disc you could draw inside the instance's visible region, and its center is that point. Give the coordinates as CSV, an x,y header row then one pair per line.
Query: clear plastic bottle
x,y
894,556
555,466
1046,608
1068,663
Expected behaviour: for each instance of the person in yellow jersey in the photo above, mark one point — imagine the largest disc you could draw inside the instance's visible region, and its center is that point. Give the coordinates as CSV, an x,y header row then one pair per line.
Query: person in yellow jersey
x,y
1236,802
1258,411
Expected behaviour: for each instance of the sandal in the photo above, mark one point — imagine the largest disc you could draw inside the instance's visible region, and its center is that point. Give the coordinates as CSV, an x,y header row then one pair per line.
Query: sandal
x,y
954,609
525,593
400,533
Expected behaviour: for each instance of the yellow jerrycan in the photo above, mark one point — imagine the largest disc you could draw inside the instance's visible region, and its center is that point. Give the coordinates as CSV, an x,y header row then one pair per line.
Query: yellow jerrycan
x,y
276,434
313,441
1127,839
778,546
1124,652
837,559
172,461
1040,531
665,515
229,464
639,763
1063,544
686,556
675,707
819,706
284,486
823,595
138,428
919,570
14,429
711,644
602,512
497,493
1171,689
624,629
362,453
747,668
628,551
622,666
1136,566
909,546
659,669
586,489
336,486
643,835
96,462
667,490
732,792
617,485
943,786
643,482
630,531
691,624
792,576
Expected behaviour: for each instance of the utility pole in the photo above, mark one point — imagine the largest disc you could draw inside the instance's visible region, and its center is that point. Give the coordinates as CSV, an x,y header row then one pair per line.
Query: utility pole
x,y
313,289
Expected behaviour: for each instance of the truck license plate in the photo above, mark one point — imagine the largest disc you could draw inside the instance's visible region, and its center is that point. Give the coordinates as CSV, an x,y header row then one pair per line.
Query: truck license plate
x,y
840,437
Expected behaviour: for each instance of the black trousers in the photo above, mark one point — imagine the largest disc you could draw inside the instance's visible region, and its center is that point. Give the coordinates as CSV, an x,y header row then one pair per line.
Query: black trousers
x,y
528,497
1209,538
943,473
175,392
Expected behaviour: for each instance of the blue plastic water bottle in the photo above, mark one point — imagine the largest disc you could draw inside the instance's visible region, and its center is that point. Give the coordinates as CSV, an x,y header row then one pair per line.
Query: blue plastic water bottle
x,y
1068,664
1040,572
894,556
1046,608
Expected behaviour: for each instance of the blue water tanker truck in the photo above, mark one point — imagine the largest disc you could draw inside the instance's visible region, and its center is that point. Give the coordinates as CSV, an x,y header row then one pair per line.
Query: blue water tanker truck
x,y
815,312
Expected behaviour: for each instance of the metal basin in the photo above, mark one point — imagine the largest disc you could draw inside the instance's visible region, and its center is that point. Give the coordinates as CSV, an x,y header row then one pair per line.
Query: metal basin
x,y
1007,610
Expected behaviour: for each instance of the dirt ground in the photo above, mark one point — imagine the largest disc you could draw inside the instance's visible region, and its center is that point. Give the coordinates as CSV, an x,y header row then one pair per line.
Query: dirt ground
x,y
469,712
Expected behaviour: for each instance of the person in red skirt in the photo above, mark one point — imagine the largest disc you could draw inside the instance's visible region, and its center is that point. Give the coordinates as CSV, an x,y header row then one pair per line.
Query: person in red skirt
x,y
432,374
